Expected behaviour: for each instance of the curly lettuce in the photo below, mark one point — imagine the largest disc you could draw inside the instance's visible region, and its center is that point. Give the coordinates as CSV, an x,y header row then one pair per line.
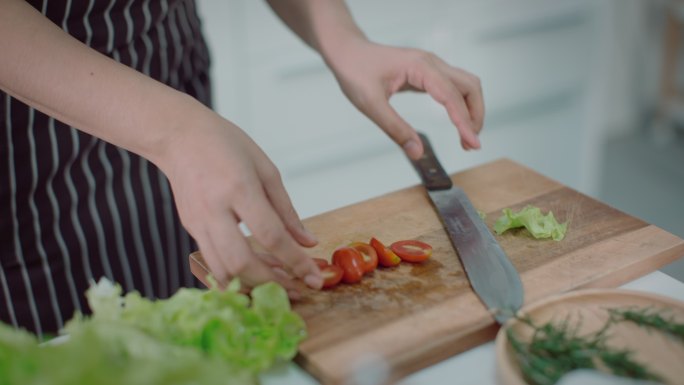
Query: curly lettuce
x,y
106,353
196,336
531,218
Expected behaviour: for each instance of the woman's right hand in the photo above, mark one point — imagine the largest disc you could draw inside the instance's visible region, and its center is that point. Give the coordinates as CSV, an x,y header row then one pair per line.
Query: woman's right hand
x,y
220,178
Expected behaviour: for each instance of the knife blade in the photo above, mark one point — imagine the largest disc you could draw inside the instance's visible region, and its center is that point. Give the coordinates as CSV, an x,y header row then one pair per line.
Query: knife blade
x,y
491,274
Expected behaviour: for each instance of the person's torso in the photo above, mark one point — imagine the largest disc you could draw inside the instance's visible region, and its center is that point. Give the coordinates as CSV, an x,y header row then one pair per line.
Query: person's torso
x,y
73,207
109,24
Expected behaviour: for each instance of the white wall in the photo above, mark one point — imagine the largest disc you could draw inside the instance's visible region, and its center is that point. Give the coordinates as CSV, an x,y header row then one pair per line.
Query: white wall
x,y
550,74
635,58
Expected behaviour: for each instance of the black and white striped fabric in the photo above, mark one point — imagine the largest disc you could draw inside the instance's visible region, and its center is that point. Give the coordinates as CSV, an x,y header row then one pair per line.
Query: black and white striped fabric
x,y
74,208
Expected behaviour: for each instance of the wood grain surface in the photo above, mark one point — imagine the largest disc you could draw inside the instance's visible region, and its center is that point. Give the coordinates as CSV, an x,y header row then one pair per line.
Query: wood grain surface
x,y
412,316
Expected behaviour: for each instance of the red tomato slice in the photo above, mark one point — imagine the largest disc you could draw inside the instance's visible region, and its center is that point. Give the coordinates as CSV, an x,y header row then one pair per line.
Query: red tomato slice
x,y
386,257
412,250
370,257
351,263
321,262
332,275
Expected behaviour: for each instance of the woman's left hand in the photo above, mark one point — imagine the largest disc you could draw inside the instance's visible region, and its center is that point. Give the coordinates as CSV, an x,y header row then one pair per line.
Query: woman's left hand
x,y
369,74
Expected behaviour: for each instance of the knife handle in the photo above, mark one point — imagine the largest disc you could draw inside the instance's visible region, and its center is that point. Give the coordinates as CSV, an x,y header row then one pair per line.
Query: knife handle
x,y
429,169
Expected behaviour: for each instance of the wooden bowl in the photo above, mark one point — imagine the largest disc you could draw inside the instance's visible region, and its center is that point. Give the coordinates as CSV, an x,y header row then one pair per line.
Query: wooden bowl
x,y
662,354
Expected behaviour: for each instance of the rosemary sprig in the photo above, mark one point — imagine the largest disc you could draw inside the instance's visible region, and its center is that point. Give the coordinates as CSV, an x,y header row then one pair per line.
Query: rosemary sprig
x,y
648,317
557,348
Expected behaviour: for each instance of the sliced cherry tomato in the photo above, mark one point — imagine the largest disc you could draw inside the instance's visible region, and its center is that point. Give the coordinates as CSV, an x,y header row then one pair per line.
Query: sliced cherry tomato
x,y
386,257
332,275
412,250
370,257
321,262
351,263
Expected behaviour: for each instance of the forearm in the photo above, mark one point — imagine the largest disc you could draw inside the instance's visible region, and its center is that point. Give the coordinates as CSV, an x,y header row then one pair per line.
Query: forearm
x,y
327,26
49,70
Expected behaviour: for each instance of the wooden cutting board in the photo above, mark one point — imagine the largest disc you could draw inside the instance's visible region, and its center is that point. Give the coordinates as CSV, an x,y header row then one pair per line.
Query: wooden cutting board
x,y
413,316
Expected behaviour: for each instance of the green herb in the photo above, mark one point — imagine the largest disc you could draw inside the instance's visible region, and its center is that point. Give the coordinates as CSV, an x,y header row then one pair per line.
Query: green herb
x,y
647,317
530,217
557,348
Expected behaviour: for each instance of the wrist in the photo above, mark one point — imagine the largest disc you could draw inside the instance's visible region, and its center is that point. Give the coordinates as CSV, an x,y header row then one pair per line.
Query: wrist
x,y
339,49
175,120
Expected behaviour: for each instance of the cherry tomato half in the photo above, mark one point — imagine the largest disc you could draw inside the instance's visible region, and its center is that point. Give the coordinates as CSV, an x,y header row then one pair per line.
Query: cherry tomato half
x,y
370,257
332,275
386,257
321,262
351,263
412,250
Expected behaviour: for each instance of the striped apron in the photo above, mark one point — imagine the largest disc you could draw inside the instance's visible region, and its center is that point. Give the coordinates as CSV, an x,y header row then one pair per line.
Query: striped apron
x,y
74,208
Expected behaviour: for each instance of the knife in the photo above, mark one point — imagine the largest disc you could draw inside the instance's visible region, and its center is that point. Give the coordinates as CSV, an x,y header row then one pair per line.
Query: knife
x,y
490,272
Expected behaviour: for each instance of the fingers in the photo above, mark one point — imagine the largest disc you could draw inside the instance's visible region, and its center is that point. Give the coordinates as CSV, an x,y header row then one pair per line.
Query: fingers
x,y
475,102
457,90
228,255
277,195
471,88
294,292
445,92
378,109
270,260
269,230
460,116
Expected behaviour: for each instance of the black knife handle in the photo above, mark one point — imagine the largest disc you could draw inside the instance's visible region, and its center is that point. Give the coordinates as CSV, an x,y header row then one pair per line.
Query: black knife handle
x,y
429,169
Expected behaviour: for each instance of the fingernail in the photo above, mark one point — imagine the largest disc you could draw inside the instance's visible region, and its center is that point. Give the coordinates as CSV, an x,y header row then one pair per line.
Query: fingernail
x,y
412,148
314,281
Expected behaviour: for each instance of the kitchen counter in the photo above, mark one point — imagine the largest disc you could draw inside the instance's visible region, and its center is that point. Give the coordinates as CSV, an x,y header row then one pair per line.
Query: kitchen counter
x,y
476,366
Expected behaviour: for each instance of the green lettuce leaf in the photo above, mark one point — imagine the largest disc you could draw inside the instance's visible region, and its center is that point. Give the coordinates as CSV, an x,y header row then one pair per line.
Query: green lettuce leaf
x,y
247,335
194,337
104,353
530,217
